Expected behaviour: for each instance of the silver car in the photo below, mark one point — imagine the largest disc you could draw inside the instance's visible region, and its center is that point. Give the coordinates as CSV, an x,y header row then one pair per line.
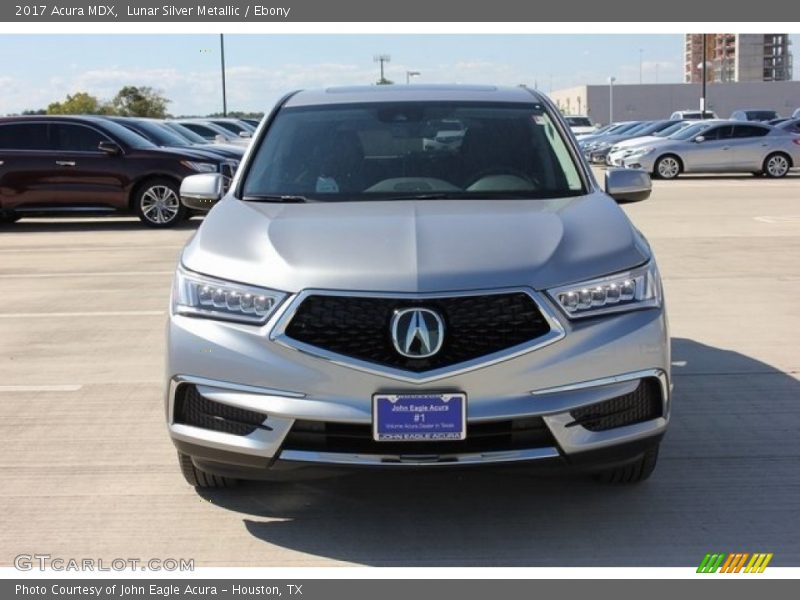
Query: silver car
x,y
720,147
358,300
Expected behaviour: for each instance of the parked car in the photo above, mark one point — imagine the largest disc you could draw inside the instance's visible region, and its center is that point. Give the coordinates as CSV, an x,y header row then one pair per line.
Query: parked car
x,y
78,165
155,131
580,124
790,126
362,302
720,147
761,115
693,115
254,122
235,126
586,142
600,150
625,148
211,132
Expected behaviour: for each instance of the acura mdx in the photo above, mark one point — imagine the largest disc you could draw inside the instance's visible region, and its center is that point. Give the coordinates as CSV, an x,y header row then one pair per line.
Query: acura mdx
x,y
360,298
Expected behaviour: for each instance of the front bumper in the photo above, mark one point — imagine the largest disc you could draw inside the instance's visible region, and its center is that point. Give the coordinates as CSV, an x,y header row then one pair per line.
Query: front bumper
x,y
643,162
240,366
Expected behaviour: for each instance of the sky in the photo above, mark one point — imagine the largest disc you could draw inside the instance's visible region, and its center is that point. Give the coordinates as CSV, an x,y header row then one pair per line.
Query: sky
x,y
261,68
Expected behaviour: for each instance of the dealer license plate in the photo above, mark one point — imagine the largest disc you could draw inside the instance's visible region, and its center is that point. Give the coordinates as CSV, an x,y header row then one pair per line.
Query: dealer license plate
x,y
419,417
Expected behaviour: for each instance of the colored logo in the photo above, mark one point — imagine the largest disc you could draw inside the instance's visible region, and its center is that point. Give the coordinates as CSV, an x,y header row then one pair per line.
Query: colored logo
x,y
735,562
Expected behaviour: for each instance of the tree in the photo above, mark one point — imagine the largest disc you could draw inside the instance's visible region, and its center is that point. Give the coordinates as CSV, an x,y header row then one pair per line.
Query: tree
x,y
143,101
80,103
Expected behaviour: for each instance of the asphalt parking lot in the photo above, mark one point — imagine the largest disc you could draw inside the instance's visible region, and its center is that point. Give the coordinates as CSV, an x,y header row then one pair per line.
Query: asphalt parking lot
x,y
88,470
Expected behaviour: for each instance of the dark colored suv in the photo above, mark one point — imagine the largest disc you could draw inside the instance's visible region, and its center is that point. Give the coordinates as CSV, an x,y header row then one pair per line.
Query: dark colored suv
x,y
86,164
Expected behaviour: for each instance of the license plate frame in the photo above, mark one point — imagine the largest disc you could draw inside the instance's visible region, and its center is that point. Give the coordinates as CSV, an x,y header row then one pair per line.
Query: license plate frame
x,y
419,417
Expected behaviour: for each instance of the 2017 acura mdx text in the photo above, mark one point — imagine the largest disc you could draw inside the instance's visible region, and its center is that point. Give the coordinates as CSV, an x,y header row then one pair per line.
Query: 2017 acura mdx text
x,y
361,298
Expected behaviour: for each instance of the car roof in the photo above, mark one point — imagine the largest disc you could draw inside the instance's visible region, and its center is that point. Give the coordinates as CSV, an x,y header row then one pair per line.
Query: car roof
x,y
412,93
99,119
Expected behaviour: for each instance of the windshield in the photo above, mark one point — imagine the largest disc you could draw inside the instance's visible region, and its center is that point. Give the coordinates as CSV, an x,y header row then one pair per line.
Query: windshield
x,y
673,129
387,150
134,140
692,131
578,121
156,133
761,115
185,132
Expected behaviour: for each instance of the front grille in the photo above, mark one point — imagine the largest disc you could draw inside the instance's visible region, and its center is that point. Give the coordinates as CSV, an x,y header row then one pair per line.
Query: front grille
x,y
515,434
193,409
642,404
475,326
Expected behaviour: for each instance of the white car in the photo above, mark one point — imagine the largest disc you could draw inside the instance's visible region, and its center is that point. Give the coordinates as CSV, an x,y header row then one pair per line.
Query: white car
x,y
693,115
580,124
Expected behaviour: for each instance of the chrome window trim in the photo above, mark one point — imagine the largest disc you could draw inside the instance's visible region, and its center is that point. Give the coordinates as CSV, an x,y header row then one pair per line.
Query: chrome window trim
x,y
278,335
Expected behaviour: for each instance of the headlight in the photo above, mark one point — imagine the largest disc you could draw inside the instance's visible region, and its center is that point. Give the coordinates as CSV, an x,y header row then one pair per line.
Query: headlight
x,y
631,290
200,167
200,296
642,151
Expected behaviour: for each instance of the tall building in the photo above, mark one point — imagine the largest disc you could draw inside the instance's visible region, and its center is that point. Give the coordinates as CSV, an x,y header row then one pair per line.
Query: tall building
x,y
738,57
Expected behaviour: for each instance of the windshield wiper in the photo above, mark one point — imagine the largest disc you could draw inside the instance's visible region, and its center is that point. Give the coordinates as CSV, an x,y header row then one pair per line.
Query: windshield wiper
x,y
421,196
287,198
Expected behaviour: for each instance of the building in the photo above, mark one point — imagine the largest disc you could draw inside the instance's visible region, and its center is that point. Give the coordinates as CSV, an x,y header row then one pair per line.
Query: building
x,y
660,100
737,57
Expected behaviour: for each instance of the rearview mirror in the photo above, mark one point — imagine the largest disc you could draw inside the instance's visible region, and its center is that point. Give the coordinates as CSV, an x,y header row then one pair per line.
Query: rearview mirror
x,y
110,148
201,192
628,185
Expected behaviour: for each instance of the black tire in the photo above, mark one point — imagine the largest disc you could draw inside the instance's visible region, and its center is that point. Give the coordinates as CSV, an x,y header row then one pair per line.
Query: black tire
x,y
633,472
776,165
200,479
662,170
8,217
157,203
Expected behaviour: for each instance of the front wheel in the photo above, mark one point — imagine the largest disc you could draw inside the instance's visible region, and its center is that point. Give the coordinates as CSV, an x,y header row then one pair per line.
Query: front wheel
x,y
8,217
667,167
157,203
776,165
633,472
200,479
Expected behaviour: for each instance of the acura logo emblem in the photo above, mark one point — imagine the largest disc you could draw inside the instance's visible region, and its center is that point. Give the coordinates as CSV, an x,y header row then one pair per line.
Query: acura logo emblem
x,y
417,332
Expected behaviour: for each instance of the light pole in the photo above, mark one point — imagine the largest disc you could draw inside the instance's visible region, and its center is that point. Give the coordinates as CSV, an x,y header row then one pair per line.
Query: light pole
x,y
640,66
222,68
703,66
382,58
410,74
611,81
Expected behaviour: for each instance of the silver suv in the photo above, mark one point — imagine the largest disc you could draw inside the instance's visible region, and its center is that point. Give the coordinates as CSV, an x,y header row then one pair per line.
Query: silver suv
x,y
360,298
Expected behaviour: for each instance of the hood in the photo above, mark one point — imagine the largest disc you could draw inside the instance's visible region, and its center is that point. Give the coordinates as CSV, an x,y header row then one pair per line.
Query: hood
x,y
638,141
415,246
226,150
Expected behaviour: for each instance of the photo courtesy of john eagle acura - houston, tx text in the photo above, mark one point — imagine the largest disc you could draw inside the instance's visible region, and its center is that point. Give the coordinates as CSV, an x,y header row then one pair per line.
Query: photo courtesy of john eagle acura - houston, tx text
x,y
360,296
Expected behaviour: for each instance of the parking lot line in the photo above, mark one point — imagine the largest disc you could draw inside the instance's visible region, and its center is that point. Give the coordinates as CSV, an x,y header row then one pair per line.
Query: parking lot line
x,y
39,388
83,274
110,313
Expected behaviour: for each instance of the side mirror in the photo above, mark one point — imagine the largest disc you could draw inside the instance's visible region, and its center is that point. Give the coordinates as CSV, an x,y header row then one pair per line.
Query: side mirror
x,y
628,185
110,148
202,191
700,139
